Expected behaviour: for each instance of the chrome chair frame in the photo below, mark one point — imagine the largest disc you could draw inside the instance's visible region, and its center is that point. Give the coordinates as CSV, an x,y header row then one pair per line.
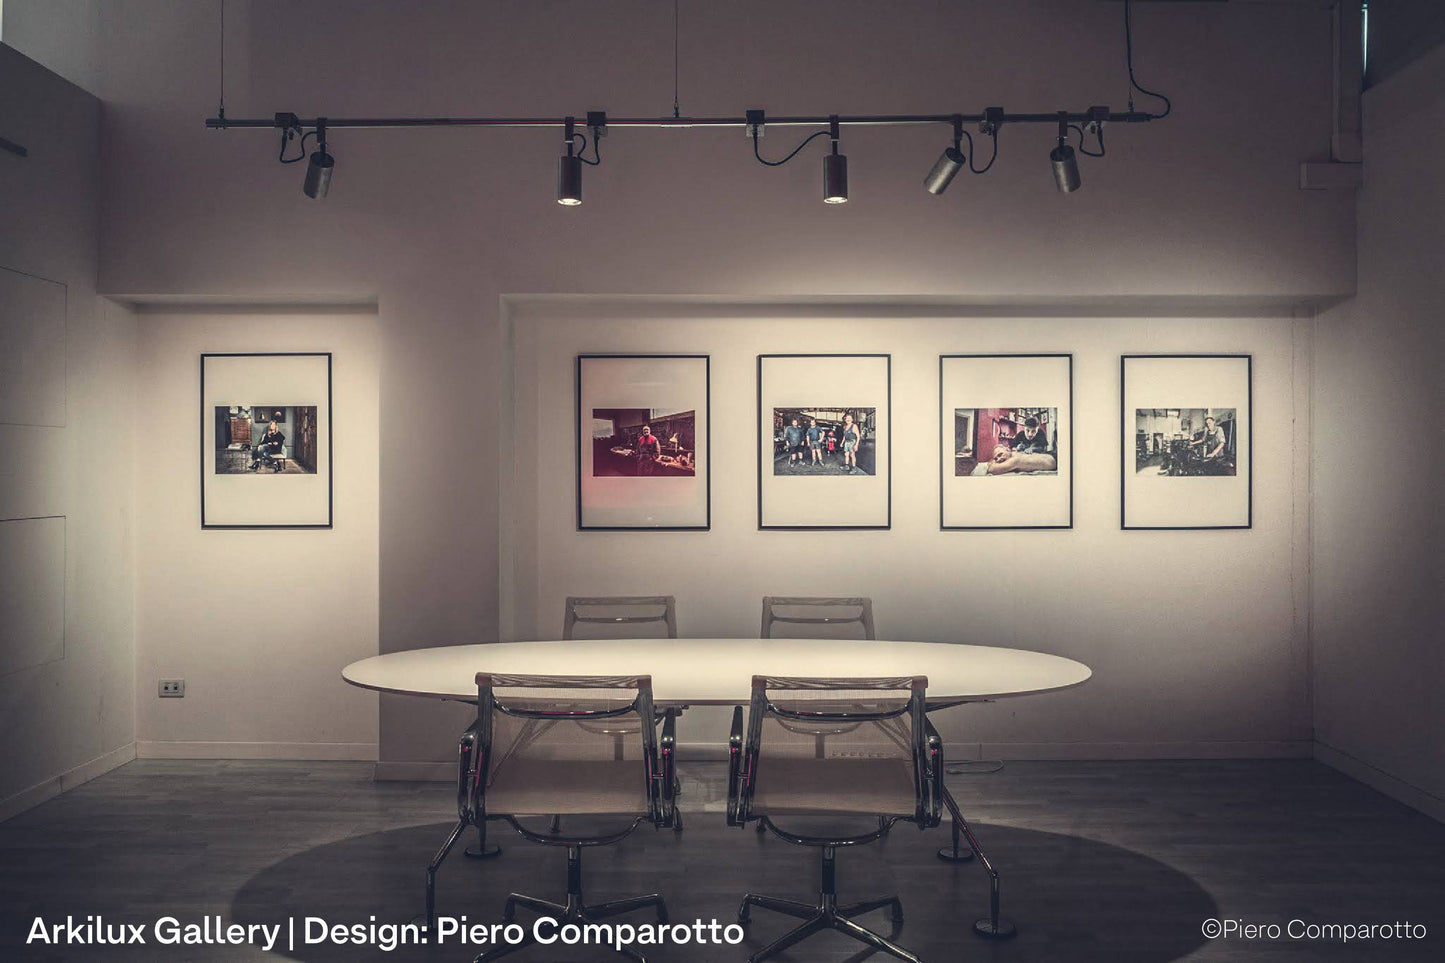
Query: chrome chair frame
x,y
743,755
475,749
863,618
571,619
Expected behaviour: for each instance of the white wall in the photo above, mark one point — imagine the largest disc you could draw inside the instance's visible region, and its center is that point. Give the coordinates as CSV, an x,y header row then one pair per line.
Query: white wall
x,y
61,35
1197,639
1377,621
440,225
65,719
262,678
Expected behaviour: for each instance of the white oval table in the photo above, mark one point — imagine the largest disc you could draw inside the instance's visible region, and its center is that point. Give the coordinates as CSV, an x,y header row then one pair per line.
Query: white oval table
x,y
697,672
701,672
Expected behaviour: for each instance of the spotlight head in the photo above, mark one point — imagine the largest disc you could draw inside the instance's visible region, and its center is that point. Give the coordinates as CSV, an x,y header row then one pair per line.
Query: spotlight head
x,y
318,174
1066,168
835,179
569,180
950,162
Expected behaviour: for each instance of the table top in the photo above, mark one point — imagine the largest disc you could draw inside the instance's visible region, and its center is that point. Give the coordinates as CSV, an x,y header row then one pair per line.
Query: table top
x,y
720,671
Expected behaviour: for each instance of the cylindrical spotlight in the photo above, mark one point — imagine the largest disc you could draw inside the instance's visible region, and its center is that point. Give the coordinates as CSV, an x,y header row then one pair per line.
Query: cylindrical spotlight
x,y
1066,168
835,179
950,162
318,174
569,180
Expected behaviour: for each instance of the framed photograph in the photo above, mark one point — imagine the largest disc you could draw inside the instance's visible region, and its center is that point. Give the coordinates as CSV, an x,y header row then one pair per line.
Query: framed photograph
x,y
1006,441
266,466
642,442
1185,431
824,441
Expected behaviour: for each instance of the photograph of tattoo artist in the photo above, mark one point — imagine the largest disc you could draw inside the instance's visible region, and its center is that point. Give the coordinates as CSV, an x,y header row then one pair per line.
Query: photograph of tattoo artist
x,y
1005,441
1181,442
274,439
643,442
824,441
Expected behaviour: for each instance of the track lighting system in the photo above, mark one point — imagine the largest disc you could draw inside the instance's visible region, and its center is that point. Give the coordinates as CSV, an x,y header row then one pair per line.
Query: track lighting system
x,y
320,166
569,165
1065,164
960,154
835,169
569,170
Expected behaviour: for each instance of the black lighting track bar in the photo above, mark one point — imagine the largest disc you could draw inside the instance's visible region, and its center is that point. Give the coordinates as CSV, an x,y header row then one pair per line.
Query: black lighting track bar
x,y
993,116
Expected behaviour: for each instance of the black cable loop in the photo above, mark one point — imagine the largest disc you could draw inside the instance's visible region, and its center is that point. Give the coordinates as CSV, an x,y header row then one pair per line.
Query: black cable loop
x,y
984,169
285,138
1099,136
596,141
806,141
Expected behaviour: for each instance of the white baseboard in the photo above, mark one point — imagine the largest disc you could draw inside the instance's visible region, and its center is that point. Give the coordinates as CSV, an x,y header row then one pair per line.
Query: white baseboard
x,y
1392,786
330,751
54,786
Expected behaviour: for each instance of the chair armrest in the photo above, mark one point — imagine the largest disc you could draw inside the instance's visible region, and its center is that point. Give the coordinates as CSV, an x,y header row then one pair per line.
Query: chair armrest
x,y
735,762
468,774
667,746
933,768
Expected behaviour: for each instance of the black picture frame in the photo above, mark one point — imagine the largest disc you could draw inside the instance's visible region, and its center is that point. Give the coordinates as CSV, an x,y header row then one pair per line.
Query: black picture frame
x,y
580,513
944,458
208,456
887,420
1125,449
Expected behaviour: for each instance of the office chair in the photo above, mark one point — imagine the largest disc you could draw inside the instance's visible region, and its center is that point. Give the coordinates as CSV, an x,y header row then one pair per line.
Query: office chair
x,y
888,767
528,753
841,616
606,610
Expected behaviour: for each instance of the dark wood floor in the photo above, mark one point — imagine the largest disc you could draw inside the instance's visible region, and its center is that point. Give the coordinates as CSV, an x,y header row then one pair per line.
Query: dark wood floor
x,y
1100,861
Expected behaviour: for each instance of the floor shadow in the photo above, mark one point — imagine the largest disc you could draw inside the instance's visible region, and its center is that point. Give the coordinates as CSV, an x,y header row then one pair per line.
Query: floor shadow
x,y
1072,898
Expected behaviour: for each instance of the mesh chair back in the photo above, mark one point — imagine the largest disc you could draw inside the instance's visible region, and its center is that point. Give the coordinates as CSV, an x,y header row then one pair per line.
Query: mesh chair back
x,y
620,610
544,754
817,611
871,762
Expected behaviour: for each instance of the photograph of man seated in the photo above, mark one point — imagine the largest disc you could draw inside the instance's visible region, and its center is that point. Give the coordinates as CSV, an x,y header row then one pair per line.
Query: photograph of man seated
x,y
1180,442
266,439
643,442
1005,441
824,441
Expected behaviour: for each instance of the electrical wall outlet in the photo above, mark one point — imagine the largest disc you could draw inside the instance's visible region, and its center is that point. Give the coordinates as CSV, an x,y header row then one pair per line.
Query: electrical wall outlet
x,y
172,689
